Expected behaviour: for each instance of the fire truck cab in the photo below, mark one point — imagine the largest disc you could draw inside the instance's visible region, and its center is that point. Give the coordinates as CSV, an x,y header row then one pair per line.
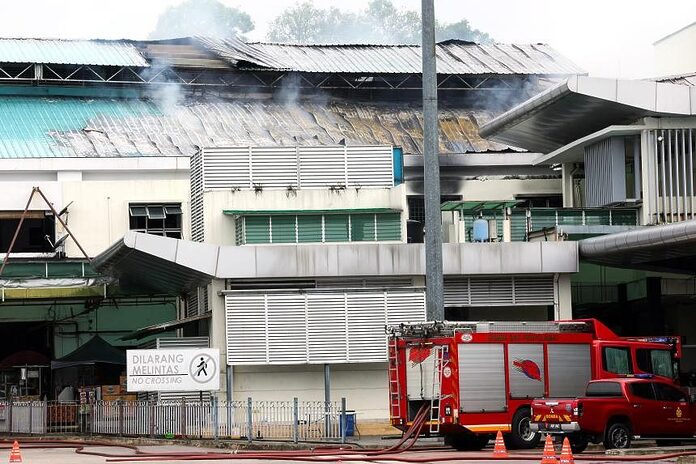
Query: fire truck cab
x,y
479,378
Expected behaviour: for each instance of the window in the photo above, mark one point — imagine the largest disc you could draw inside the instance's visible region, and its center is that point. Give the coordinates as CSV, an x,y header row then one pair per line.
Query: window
x,y
36,235
318,228
617,360
643,390
157,219
604,389
669,393
658,362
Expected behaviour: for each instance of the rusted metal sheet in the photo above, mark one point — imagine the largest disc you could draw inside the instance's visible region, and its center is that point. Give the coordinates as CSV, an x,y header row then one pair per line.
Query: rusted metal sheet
x,y
84,52
453,57
43,127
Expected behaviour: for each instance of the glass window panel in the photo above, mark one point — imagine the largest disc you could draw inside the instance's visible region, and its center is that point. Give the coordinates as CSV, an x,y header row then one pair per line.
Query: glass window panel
x,y
172,209
336,228
138,211
309,229
617,360
283,229
155,212
362,227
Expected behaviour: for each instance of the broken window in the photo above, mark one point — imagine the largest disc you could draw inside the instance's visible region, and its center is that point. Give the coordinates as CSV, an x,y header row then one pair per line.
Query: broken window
x,y
36,235
162,219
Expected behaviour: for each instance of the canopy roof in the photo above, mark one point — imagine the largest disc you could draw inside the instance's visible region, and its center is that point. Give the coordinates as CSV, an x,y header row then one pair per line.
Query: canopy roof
x,y
95,351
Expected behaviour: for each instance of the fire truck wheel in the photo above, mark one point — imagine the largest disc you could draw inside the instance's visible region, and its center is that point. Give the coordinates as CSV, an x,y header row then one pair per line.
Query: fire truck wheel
x,y
521,435
618,436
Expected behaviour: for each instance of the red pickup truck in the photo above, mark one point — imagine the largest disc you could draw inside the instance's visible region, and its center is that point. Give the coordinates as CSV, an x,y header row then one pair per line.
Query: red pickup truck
x,y
614,411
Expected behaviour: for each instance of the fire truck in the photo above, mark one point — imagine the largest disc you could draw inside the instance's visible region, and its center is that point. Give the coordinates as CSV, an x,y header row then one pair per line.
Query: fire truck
x,y
479,378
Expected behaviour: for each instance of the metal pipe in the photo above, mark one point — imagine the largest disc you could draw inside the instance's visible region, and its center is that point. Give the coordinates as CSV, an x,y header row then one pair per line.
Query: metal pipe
x,y
664,177
65,226
434,300
671,183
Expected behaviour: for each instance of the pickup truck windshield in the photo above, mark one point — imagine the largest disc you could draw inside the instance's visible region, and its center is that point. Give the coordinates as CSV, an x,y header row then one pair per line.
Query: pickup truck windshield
x,y
658,362
604,389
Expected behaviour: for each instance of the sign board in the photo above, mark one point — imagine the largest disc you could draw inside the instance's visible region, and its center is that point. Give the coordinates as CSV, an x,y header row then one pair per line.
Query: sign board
x,y
173,369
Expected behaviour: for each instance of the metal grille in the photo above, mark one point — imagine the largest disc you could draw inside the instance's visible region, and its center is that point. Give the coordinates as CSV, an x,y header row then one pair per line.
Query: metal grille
x,y
670,193
499,291
316,327
197,219
297,167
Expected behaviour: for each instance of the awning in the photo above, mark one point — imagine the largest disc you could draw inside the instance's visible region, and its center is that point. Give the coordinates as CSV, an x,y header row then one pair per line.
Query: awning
x,y
475,206
583,105
665,248
164,327
295,212
95,351
160,264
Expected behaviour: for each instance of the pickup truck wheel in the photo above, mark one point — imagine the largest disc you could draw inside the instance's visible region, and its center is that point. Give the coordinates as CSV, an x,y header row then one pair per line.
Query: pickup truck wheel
x,y
521,435
578,443
618,436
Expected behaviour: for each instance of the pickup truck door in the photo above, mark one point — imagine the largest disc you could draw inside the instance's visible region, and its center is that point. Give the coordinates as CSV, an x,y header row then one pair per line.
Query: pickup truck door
x,y
676,414
645,410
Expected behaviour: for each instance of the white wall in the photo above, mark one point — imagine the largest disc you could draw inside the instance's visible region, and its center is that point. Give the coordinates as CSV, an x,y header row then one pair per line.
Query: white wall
x,y
219,228
676,54
363,385
99,189
498,189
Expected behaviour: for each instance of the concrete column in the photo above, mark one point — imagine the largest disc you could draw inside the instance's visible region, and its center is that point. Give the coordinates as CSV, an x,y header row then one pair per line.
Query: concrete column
x,y
567,184
564,303
218,337
648,178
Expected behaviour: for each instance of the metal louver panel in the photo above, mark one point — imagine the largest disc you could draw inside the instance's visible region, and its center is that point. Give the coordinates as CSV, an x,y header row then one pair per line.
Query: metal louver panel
x,y
371,166
526,370
246,329
197,219
499,291
322,167
287,338
192,304
227,169
297,167
315,327
366,321
481,377
326,327
569,369
355,282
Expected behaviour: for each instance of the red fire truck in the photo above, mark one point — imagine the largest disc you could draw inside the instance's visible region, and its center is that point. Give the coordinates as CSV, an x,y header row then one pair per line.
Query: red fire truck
x,y
479,378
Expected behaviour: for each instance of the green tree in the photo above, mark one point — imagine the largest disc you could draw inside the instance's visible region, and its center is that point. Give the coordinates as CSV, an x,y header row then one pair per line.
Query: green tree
x,y
380,23
202,17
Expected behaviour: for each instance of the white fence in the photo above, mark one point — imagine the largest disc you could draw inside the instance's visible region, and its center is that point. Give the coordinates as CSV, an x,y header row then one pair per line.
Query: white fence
x,y
250,420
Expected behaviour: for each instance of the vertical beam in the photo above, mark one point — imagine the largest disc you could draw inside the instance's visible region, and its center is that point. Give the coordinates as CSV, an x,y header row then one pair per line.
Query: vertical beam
x,y
684,174
691,170
567,184
637,171
433,219
663,175
327,400
670,177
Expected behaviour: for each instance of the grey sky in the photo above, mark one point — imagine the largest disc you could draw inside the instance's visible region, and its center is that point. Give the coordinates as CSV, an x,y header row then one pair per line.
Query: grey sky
x,y
610,38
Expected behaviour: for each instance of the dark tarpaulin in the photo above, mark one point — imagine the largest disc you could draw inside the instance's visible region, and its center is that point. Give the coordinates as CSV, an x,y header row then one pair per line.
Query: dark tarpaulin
x,y
95,351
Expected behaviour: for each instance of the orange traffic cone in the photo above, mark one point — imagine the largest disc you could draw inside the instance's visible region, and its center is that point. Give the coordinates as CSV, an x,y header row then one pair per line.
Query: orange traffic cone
x,y
499,450
15,454
566,453
549,452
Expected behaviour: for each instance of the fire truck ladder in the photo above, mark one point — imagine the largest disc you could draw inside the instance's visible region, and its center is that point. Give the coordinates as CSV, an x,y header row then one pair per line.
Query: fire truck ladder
x,y
439,363
394,387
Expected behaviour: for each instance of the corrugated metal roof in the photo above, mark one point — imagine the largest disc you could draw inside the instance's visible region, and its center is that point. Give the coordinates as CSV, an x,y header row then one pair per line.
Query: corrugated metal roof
x,y
84,52
453,57
60,127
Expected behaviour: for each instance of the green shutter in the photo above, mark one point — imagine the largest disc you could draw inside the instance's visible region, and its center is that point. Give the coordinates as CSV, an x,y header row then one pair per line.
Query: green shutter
x,y
389,226
570,217
283,229
336,228
309,229
362,227
239,231
624,217
257,229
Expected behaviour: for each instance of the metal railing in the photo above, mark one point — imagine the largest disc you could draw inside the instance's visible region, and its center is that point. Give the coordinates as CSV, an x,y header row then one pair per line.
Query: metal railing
x,y
251,420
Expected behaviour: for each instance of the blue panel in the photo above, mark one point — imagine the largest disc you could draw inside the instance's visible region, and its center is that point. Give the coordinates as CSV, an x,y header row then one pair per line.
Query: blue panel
x,y
398,159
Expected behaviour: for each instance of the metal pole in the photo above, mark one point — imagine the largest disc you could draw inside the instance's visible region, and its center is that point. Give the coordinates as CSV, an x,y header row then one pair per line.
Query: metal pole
x,y
295,420
343,420
327,399
228,396
250,430
431,175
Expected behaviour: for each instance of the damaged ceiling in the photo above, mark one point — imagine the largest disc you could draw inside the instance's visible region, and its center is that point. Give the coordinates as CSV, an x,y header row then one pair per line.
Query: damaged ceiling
x,y
61,127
